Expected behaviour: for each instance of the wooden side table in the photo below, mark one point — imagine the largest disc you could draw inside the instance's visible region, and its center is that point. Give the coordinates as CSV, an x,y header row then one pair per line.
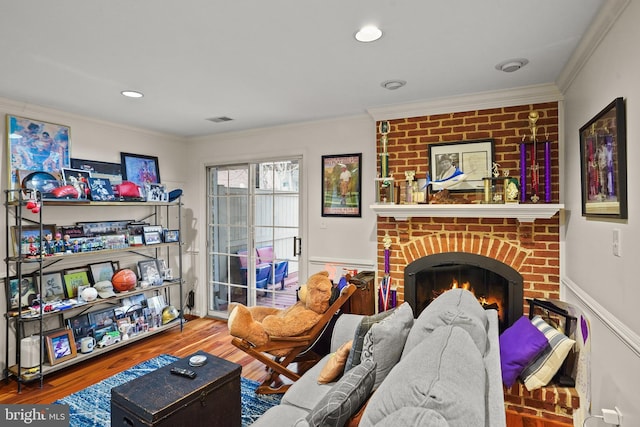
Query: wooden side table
x,y
363,299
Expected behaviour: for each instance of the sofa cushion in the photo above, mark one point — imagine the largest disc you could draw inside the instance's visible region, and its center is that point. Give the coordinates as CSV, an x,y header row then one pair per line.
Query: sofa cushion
x,y
412,416
306,392
345,397
335,365
539,372
358,338
454,307
445,373
385,340
520,344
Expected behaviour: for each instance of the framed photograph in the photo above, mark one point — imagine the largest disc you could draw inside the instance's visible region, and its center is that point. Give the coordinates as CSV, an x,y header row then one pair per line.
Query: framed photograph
x,y
603,163
101,190
101,271
101,322
60,346
110,171
74,279
156,193
140,169
36,146
52,285
21,293
102,228
150,271
171,236
152,234
80,327
469,161
341,179
28,242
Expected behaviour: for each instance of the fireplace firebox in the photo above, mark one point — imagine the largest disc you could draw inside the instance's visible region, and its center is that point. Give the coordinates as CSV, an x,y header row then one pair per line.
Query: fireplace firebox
x,y
495,284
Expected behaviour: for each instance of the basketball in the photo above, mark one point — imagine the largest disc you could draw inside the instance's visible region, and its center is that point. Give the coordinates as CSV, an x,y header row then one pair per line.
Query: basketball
x,y
124,280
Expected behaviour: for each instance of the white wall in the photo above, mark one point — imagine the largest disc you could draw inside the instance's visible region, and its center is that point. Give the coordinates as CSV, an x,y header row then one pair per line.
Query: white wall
x,y
324,237
605,286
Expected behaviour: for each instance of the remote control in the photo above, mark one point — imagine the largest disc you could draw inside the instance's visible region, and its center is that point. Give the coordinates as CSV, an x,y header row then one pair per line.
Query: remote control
x,y
183,372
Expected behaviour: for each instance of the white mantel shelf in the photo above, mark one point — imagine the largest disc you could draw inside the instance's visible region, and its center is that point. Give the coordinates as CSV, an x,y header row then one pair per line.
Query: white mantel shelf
x,y
523,212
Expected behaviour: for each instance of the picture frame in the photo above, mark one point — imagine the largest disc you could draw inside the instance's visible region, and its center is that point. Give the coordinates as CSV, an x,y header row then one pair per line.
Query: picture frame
x,y
341,185
603,163
97,169
101,190
52,285
101,322
61,346
80,327
156,192
150,271
21,296
152,234
101,271
75,278
28,242
473,158
35,145
102,228
140,169
171,236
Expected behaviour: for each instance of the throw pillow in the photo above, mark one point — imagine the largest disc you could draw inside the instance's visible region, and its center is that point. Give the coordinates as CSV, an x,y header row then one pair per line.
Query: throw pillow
x,y
445,373
520,344
385,340
358,338
335,365
538,373
345,397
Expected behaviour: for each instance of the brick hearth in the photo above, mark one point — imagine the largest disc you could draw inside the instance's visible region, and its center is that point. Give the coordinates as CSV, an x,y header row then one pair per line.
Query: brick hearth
x,y
532,249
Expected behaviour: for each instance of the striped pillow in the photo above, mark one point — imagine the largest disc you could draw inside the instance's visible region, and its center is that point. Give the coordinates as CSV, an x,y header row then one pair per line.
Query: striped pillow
x,y
539,372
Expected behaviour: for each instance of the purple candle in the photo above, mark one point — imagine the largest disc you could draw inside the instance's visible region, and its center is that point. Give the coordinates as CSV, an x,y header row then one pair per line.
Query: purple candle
x,y
523,172
547,171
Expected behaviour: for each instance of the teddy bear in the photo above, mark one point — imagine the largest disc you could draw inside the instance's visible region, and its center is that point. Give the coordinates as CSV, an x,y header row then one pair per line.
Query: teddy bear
x,y
257,324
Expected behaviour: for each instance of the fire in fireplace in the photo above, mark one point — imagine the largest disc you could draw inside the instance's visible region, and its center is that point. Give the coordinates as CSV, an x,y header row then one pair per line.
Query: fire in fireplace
x,y
495,284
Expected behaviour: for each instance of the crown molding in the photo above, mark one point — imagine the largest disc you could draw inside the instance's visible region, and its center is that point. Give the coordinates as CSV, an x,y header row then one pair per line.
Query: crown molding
x,y
471,102
598,29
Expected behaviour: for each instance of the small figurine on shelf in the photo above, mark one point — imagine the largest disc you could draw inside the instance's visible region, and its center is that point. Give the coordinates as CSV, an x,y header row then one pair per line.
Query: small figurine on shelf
x,y
48,244
33,250
58,245
68,246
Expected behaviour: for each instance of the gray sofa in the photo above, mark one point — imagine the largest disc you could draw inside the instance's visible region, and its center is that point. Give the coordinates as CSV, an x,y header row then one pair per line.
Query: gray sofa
x,y
441,369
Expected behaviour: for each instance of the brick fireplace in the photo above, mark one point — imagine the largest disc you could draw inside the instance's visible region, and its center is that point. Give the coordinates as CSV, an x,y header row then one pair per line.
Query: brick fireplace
x,y
531,249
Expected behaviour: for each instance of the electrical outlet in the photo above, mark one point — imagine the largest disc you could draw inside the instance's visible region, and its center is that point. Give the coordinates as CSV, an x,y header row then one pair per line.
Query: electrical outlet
x,y
617,244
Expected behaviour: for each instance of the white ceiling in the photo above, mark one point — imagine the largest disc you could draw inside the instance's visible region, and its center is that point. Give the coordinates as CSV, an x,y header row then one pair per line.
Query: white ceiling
x,y
271,63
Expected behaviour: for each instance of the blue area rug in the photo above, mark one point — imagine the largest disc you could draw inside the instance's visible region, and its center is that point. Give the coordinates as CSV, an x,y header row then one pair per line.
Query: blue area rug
x,y
92,406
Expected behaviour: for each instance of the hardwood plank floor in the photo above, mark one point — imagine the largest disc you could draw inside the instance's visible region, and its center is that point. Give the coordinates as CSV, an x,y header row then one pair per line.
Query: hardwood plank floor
x,y
209,335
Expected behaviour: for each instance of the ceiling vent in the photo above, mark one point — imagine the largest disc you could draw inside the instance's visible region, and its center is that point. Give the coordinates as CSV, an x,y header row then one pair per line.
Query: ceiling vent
x,y
220,119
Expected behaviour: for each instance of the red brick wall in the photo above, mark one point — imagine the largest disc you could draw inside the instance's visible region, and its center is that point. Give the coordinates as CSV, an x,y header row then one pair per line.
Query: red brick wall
x,y
531,249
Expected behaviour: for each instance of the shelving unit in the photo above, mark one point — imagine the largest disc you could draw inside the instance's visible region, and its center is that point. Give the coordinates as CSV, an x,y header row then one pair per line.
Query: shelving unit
x,y
20,265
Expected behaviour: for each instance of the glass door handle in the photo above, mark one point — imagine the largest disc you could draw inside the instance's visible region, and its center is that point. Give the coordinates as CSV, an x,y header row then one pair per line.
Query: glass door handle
x,y
297,246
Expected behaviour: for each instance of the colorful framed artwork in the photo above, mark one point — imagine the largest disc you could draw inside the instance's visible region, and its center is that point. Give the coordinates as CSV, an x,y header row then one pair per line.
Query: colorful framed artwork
x,y
21,293
74,279
61,346
140,169
35,145
603,163
28,243
52,285
171,236
464,163
341,178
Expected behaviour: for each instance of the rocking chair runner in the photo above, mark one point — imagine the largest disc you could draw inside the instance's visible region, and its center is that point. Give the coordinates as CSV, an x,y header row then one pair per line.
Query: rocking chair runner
x,y
280,352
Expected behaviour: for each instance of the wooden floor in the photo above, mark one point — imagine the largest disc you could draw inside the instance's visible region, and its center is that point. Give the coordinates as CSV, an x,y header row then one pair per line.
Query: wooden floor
x,y
208,335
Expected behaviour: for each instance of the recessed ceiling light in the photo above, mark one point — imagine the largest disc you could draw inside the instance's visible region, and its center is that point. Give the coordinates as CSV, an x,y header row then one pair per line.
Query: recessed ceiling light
x,y
367,34
511,65
132,94
393,84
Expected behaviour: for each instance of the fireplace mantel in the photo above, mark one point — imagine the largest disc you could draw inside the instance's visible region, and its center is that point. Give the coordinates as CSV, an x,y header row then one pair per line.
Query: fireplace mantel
x,y
523,212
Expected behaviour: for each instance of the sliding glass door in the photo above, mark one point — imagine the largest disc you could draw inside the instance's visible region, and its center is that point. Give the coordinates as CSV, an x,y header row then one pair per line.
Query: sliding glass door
x,y
253,239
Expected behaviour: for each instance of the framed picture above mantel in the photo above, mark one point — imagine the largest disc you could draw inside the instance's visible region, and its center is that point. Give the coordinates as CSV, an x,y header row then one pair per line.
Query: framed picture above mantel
x,y
603,163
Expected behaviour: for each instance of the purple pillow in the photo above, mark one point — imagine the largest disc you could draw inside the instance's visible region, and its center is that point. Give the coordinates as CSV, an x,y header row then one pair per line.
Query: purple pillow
x,y
520,344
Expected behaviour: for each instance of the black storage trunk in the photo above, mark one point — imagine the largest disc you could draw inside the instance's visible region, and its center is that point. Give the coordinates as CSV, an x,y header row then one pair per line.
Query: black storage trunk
x,y
160,398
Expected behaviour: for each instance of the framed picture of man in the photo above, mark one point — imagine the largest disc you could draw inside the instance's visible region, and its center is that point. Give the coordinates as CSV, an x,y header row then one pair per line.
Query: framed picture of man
x,y
341,178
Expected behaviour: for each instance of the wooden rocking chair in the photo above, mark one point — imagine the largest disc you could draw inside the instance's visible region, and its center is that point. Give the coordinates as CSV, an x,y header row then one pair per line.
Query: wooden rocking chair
x,y
280,352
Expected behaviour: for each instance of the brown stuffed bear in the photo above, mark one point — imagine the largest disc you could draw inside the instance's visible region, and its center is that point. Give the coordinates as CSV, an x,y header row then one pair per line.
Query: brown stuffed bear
x,y
257,324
